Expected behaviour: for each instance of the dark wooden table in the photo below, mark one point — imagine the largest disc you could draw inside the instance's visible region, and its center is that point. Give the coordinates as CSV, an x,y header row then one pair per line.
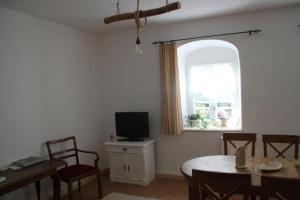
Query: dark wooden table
x,y
222,163
32,174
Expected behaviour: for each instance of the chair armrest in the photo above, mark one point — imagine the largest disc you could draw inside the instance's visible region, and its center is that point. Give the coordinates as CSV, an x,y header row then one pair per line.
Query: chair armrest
x,y
65,163
91,152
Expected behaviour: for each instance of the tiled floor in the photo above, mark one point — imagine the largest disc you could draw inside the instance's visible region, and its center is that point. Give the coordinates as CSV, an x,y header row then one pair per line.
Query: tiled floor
x,y
160,188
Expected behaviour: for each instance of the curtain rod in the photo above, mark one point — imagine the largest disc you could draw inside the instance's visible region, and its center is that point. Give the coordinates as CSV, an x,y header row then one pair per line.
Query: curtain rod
x,y
250,32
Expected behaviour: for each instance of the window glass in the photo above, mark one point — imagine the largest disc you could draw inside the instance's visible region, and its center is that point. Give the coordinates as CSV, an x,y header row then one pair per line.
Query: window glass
x,y
210,85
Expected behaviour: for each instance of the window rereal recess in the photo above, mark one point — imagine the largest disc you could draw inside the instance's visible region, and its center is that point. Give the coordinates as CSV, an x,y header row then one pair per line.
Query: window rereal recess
x,y
210,85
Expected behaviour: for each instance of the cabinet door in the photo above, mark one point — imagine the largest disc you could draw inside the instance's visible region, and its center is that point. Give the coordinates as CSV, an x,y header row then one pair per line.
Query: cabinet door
x,y
135,167
118,165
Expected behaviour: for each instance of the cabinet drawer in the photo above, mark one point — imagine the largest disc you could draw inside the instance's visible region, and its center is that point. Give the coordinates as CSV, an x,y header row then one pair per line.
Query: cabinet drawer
x,y
125,149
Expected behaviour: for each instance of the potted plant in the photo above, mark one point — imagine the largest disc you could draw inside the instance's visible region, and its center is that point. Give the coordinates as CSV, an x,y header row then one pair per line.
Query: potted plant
x,y
223,116
204,123
193,120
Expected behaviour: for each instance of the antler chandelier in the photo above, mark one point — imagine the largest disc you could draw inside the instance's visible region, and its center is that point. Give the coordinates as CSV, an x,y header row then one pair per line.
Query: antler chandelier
x,y
141,14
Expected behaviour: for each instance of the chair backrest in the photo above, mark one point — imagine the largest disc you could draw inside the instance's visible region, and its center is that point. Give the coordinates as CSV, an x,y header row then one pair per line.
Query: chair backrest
x,y
66,153
280,188
220,186
248,138
291,140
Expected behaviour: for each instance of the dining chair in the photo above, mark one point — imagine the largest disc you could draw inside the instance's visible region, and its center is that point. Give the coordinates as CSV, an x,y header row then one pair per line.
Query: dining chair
x,y
220,186
277,188
76,172
290,140
231,138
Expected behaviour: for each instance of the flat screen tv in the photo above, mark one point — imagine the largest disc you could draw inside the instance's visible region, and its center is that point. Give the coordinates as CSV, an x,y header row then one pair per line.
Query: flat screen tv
x,y
133,126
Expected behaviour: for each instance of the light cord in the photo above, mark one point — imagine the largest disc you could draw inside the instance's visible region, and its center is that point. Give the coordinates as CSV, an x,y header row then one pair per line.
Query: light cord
x,y
118,7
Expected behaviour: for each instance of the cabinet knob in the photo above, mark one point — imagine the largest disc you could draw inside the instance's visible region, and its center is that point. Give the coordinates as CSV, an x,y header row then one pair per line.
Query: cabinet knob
x,y
128,168
124,149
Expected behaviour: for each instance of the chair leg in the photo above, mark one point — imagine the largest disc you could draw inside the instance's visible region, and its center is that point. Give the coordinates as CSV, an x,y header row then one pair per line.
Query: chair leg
x,y
70,190
38,189
221,195
100,191
79,186
192,194
245,197
56,186
203,195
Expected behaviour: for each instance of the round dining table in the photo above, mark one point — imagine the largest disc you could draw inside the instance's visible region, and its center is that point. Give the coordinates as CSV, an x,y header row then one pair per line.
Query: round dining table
x,y
226,164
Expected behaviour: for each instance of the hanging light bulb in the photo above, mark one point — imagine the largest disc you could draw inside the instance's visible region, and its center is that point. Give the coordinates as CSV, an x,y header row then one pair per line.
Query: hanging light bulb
x,y
138,47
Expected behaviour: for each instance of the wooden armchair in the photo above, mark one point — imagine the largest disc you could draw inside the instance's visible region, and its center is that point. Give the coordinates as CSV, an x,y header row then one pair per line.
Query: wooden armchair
x,y
220,186
76,172
290,140
276,188
248,138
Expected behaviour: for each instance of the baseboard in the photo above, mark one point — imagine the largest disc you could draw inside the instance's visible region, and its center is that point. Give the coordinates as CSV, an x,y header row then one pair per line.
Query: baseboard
x,y
170,177
106,172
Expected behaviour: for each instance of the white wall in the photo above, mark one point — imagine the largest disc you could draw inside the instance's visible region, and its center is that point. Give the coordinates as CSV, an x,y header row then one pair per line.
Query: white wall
x,y
50,88
269,74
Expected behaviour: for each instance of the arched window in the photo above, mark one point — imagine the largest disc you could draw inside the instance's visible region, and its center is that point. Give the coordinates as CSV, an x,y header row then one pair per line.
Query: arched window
x,y
210,85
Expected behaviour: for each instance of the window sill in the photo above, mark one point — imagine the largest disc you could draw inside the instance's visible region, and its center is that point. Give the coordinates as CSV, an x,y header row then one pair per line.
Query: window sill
x,y
212,130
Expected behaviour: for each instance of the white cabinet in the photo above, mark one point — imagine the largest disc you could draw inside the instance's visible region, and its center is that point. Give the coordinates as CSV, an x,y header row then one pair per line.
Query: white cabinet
x,y
118,166
132,162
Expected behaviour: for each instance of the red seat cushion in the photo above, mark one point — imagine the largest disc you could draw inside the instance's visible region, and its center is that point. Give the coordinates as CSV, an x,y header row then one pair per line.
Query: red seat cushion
x,y
75,170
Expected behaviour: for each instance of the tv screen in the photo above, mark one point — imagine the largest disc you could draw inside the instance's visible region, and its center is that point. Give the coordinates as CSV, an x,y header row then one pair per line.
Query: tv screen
x,y
132,125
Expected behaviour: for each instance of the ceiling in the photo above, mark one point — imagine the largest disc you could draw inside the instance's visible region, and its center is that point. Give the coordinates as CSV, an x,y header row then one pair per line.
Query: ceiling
x,y
88,14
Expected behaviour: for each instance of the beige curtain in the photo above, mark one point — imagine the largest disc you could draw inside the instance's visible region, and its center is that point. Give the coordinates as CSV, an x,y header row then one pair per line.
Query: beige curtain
x,y
171,115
